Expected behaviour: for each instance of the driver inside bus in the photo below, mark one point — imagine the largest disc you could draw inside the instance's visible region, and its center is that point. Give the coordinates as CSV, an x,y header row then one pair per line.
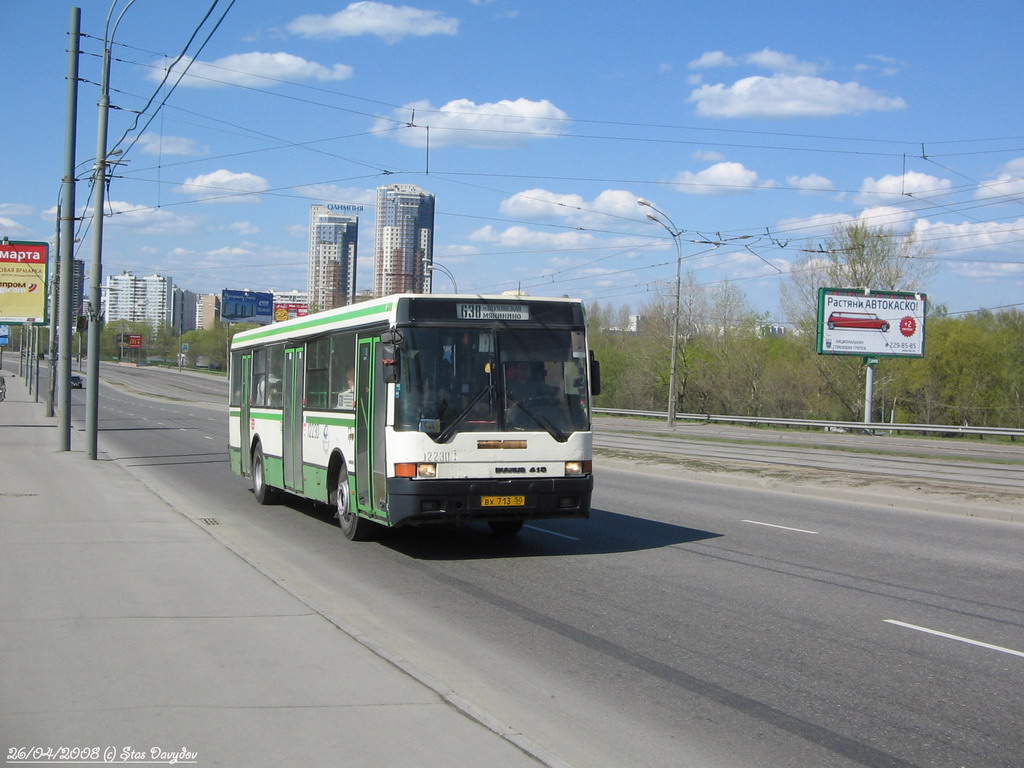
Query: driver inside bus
x,y
525,381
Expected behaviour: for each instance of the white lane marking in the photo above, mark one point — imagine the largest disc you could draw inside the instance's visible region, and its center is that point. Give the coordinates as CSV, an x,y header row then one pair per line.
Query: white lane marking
x,y
783,527
956,637
544,530
208,437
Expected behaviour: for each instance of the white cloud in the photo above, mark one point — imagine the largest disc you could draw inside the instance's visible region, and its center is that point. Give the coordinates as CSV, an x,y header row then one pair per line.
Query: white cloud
x,y
250,69
712,59
543,204
15,209
810,183
389,22
970,235
145,219
894,189
1009,183
228,251
523,238
883,65
720,179
10,224
498,124
332,193
782,63
225,186
244,228
155,144
892,217
786,96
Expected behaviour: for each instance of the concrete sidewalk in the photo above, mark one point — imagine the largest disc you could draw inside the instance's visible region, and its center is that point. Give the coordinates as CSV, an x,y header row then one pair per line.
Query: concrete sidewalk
x,y
126,628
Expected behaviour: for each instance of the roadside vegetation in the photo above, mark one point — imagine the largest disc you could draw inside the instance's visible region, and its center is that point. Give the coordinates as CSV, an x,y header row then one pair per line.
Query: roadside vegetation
x,y
733,361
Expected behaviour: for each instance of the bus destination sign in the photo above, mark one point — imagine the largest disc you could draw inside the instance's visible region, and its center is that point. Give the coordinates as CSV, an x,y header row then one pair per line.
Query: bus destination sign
x,y
493,312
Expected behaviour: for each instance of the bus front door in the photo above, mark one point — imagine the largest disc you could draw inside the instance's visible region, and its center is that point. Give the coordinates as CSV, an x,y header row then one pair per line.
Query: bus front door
x,y
371,408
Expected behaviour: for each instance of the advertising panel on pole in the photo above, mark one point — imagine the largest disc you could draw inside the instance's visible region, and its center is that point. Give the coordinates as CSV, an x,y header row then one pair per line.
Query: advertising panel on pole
x,y
289,311
23,270
247,307
869,323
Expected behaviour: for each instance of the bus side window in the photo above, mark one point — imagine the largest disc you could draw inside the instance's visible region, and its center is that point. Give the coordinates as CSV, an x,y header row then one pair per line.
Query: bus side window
x,y
258,396
343,362
275,376
318,355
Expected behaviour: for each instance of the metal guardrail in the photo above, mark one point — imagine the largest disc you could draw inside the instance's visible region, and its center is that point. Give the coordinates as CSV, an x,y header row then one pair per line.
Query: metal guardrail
x,y
847,426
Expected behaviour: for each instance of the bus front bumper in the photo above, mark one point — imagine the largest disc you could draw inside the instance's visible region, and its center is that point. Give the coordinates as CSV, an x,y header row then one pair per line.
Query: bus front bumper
x,y
424,502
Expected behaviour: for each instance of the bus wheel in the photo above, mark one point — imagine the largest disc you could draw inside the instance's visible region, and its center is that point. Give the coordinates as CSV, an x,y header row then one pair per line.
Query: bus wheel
x,y
264,493
505,527
354,527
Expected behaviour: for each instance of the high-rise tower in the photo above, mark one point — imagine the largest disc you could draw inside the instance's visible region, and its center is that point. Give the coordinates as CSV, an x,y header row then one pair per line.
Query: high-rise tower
x,y
404,247
333,249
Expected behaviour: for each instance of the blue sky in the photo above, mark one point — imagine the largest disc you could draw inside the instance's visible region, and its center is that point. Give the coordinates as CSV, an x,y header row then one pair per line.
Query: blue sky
x,y
537,125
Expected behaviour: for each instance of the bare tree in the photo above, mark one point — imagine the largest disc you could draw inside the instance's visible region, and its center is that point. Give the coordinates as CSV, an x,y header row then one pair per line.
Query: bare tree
x,y
854,256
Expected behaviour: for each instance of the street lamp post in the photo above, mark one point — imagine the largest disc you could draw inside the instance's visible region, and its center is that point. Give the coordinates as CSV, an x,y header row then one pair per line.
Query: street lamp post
x,y
96,264
665,221
431,266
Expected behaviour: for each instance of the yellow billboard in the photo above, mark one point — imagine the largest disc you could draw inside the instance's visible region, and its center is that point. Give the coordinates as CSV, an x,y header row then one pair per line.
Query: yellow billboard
x,y
23,281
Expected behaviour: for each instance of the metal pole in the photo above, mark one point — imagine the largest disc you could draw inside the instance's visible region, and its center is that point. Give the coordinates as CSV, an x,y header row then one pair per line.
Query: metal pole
x,y
92,388
673,380
869,387
53,279
67,241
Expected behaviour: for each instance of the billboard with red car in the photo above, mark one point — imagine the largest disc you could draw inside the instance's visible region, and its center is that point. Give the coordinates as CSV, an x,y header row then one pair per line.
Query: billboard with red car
x,y
870,323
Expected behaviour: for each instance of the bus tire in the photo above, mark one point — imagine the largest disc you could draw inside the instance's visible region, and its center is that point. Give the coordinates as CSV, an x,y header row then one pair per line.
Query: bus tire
x,y
505,527
264,493
354,527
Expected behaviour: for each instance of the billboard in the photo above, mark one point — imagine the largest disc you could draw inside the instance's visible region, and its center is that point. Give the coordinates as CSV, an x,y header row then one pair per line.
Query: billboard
x,y
247,307
289,310
23,269
870,323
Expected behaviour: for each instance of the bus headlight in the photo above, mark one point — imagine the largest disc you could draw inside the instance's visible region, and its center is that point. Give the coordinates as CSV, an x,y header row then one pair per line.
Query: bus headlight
x,y
409,469
578,467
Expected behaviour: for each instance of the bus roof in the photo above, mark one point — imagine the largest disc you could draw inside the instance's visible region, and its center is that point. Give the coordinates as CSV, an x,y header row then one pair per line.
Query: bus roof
x,y
382,310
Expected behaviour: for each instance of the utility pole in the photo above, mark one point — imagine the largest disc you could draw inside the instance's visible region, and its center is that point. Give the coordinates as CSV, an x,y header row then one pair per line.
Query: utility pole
x,y
66,246
92,388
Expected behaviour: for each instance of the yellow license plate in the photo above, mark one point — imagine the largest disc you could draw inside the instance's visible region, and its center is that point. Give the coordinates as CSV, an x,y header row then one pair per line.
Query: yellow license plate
x,y
502,501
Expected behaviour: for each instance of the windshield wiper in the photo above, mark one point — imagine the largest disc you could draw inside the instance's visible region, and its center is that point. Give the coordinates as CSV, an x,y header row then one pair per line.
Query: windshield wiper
x,y
447,432
546,425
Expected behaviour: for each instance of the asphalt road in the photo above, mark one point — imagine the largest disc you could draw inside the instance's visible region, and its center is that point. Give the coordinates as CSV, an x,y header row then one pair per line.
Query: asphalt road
x,y
685,623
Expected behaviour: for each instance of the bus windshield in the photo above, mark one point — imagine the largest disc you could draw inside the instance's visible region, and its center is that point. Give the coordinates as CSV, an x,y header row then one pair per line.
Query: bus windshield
x,y
478,380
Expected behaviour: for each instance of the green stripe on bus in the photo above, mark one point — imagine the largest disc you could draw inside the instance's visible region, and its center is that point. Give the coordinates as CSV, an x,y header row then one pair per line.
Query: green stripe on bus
x,y
314,321
332,421
267,416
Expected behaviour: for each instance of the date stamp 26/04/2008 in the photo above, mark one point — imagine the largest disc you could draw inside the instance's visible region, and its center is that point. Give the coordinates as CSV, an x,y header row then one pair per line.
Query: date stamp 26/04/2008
x,y
111,755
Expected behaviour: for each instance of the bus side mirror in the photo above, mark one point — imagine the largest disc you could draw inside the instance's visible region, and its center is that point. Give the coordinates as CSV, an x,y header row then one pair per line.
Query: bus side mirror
x,y
595,376
389,363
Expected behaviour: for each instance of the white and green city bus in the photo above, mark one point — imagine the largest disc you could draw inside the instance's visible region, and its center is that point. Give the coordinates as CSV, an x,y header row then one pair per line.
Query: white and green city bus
x,y
420,409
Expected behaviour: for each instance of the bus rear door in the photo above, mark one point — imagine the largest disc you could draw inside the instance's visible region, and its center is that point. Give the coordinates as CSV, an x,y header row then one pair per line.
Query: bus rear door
x,y
245,434
291,437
